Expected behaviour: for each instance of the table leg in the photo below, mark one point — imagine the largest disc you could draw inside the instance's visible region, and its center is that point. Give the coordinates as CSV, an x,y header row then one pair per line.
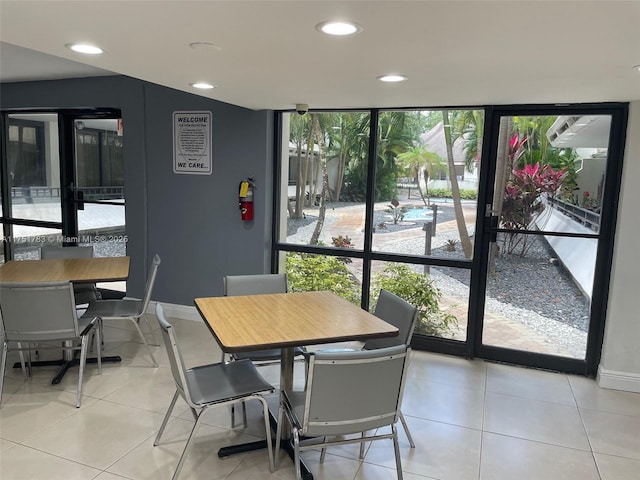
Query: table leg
x,y
67,361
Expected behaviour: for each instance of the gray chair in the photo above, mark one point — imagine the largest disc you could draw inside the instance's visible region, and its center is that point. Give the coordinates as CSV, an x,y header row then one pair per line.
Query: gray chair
x,y
129,309
209,386
261,284
258,284
84,292
402,315
38,313
346,393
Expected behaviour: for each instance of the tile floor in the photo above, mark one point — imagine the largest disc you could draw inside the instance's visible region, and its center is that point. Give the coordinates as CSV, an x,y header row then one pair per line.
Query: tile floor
x,y
470,420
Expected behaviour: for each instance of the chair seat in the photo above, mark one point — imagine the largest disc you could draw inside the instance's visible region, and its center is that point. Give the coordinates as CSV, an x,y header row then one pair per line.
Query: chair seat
x,y
85,322
222,382
296,401
265,355
115,308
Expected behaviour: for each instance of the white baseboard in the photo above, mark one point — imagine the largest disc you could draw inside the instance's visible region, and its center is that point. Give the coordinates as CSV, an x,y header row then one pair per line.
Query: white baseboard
x,y
629,382
173,310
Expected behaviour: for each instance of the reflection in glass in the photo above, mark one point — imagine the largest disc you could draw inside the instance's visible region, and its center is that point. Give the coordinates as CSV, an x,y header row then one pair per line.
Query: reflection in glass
x,y
34,166
26,241
99,159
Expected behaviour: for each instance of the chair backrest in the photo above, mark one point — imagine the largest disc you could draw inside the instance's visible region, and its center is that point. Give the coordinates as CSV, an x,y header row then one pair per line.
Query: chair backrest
x,y
34,312
54,251
175,356
151,279
399,313
353,391
254,284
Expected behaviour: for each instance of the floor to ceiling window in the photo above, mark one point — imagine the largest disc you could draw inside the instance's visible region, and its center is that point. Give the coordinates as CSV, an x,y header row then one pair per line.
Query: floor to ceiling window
x,y
504,255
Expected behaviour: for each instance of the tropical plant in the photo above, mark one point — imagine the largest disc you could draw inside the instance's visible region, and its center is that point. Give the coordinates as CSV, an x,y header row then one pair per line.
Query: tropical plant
x,y
420,159
450,245
522,201
469,125
419,290
308,272
342,242
465,240
396,210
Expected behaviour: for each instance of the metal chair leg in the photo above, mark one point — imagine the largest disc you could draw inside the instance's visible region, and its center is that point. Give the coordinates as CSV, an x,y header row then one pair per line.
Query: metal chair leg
x,y
166,418
406,431
153,359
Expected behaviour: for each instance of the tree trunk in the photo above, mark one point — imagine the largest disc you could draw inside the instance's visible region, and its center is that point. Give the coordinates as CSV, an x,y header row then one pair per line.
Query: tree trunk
x,y
506,124
425,174
342,161
465,241
315,128
297,213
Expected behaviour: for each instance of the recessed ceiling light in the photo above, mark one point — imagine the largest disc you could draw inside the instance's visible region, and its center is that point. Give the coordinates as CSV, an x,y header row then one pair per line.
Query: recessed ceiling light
x,y
636,67
338,28
392,78
84,48
202,85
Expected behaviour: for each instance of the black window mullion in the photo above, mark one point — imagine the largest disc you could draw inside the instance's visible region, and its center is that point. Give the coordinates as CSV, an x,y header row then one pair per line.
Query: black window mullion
x,y
67,179
369,206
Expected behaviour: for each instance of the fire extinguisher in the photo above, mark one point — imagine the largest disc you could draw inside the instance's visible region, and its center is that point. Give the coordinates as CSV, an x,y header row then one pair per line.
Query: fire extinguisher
x,y
246,199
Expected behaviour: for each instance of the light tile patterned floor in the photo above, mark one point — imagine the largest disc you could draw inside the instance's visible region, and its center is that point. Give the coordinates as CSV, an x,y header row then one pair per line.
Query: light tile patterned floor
x,y
470,420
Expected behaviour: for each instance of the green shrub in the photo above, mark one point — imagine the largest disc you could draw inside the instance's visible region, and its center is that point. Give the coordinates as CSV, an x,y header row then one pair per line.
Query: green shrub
x,y
468,194
439,193
465,194
420,291
308,272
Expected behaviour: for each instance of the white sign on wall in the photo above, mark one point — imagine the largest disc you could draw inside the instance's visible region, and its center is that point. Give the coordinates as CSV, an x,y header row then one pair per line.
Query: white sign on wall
x,y
192,142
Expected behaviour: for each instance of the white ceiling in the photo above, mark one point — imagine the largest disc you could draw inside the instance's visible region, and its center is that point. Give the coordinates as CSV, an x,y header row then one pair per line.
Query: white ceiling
x,y
272,57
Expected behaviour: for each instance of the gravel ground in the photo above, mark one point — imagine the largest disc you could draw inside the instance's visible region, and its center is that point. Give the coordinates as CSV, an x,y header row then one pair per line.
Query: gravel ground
x,y
533,290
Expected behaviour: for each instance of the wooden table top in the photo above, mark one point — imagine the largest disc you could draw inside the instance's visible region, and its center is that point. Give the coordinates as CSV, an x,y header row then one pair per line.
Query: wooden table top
x,y
257,322
101,269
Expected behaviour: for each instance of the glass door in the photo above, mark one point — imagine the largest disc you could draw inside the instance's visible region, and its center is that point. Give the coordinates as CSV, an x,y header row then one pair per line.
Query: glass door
x,y
549,215
62,182
98,191
31,184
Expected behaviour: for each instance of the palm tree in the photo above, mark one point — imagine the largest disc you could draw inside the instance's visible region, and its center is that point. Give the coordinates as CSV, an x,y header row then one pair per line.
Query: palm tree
x,y
319,138
469,124
300,134
465,241
419,159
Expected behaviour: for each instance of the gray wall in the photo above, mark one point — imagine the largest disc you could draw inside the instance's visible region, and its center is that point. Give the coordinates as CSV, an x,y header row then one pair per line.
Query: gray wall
x,y
191,221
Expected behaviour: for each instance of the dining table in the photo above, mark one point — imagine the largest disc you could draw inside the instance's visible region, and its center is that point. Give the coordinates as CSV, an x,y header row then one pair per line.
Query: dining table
x,y
90,270
285,321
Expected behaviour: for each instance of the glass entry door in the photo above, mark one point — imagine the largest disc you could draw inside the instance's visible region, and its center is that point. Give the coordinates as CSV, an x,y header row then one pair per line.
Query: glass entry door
x,y
548,223
62,182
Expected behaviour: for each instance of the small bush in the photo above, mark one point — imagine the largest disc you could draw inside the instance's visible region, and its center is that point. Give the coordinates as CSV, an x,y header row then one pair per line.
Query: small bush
x,y
465,194
307,272
439,193
450,245
420,291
